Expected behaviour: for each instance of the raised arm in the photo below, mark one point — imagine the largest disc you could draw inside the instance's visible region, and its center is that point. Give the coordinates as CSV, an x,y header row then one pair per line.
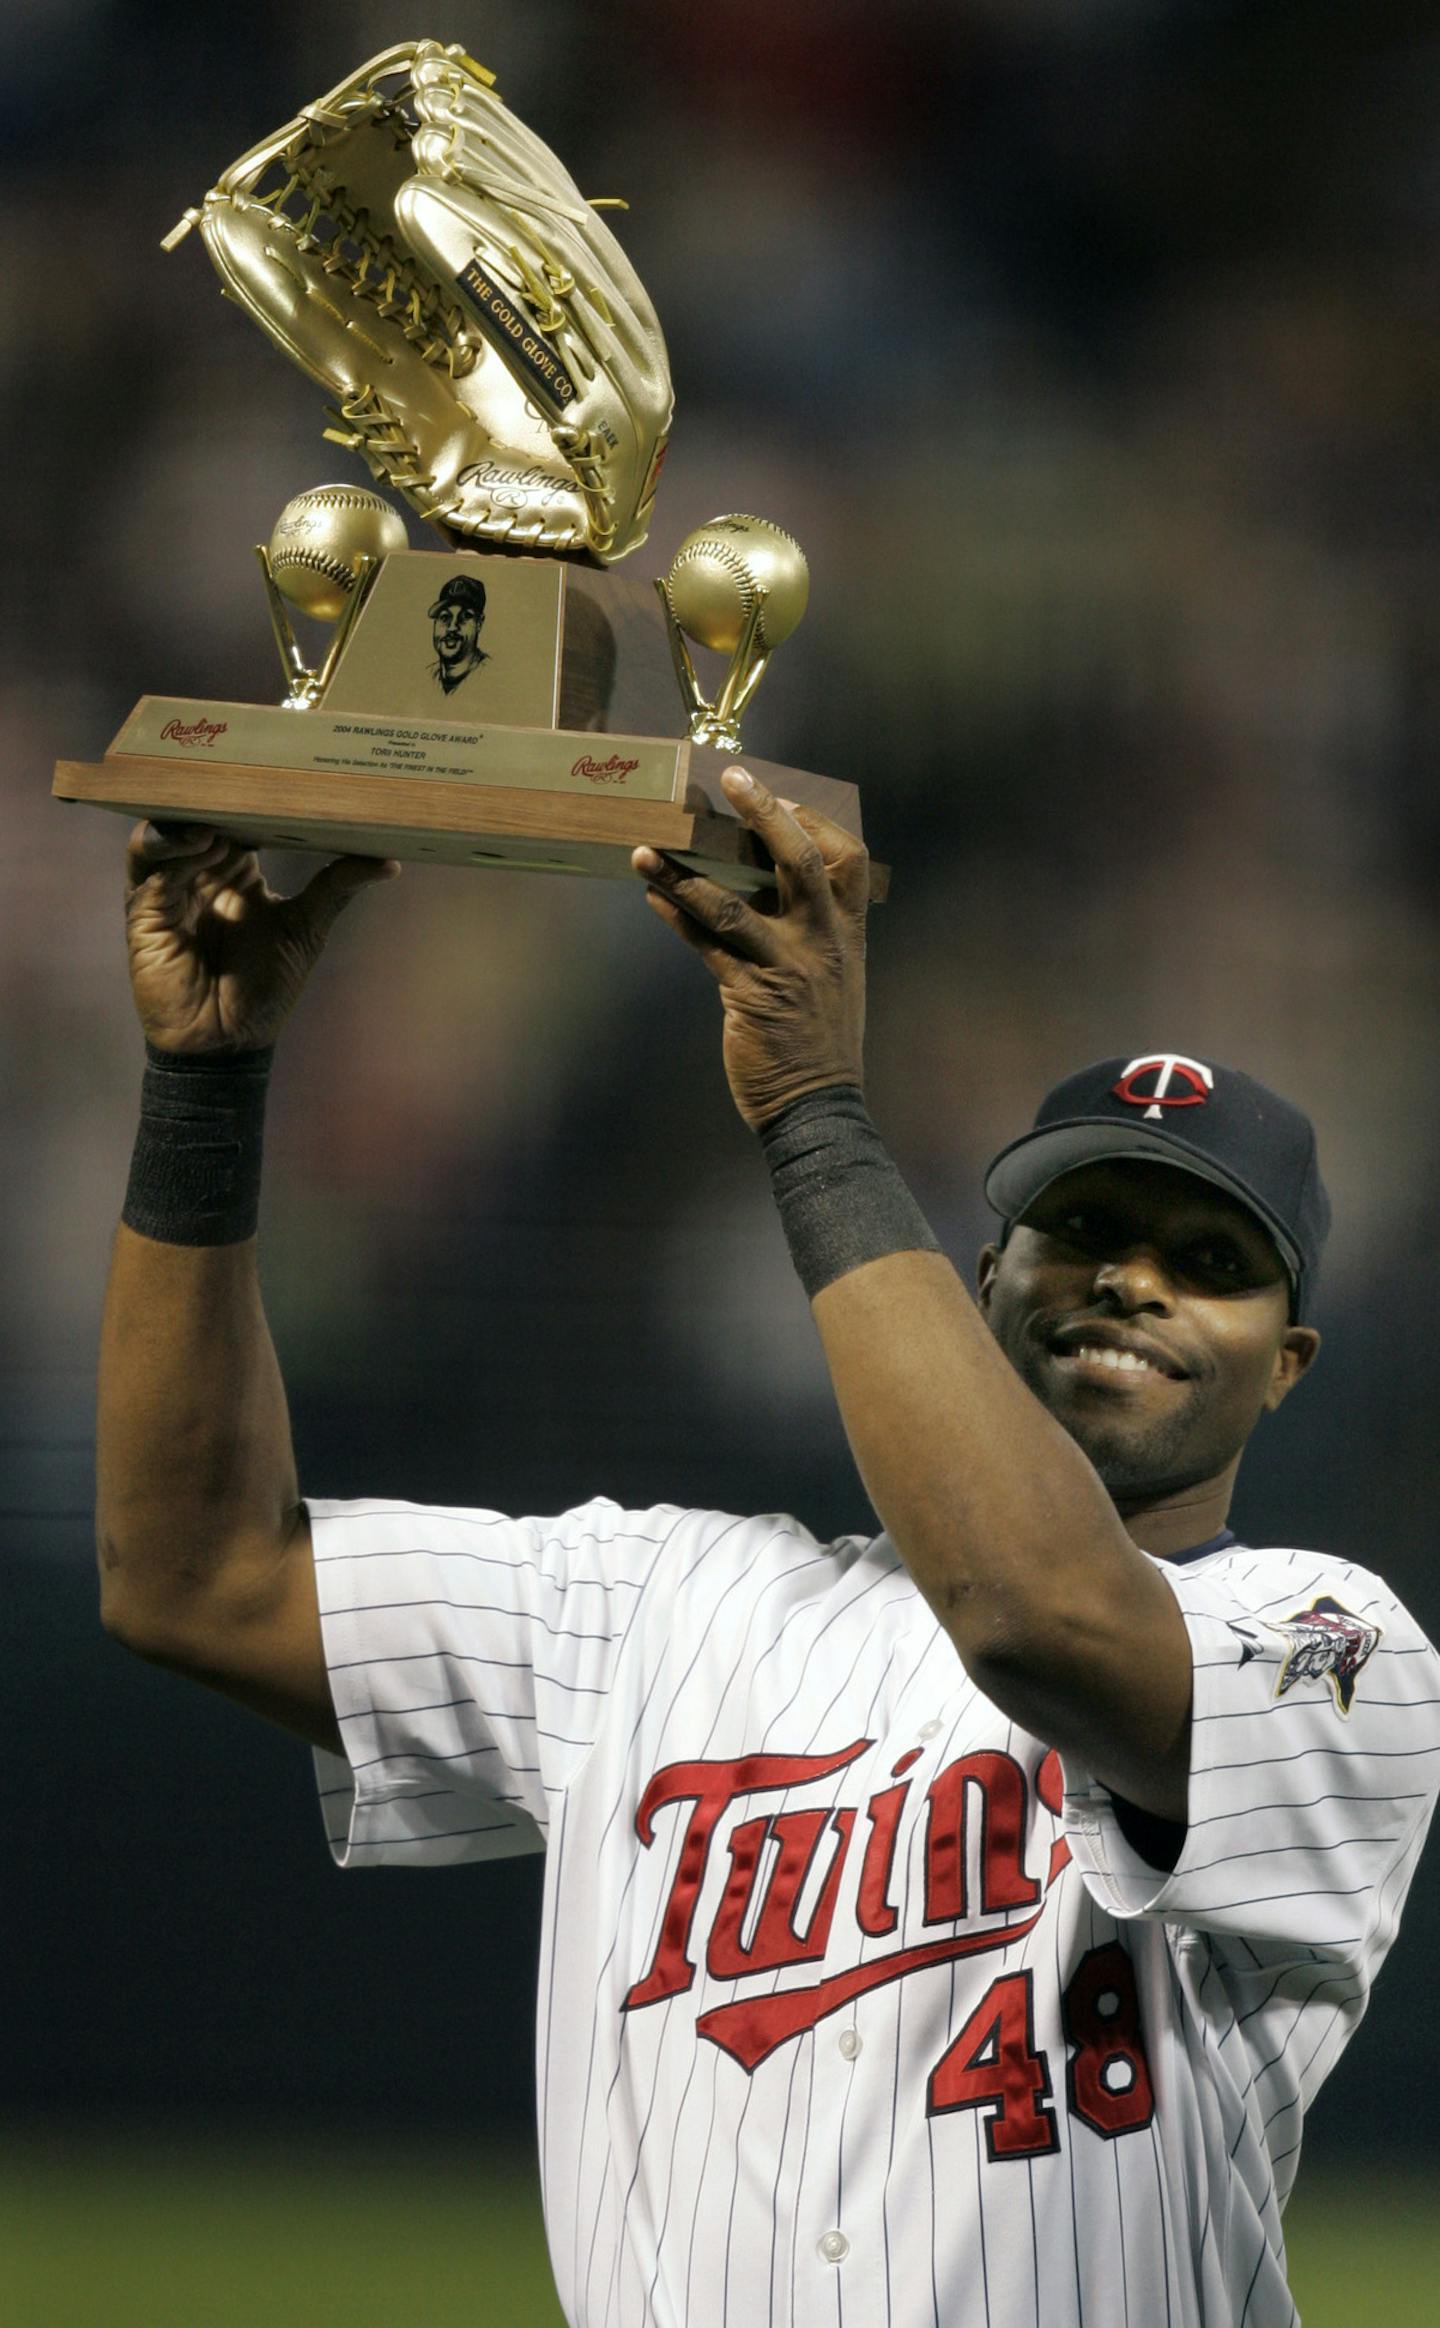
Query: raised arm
x,y
998,1515
203,1543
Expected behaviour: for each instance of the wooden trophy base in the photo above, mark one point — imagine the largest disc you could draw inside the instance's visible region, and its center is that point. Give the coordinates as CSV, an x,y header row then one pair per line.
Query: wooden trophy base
x,y
445,823
555,789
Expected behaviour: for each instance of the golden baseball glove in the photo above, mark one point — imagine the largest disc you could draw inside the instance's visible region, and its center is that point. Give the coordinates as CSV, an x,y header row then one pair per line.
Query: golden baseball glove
x,y
426,258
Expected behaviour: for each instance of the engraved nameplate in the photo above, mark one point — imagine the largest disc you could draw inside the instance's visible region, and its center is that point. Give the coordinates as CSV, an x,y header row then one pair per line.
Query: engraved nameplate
x,y
533,759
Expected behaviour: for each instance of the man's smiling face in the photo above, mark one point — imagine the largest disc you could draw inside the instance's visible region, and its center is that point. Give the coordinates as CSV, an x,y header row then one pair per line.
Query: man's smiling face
x,y
457,633
1149,1311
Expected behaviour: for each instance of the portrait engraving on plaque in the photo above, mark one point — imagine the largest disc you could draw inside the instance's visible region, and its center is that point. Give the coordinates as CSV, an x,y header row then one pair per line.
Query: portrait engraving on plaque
x,y
457,618
470,637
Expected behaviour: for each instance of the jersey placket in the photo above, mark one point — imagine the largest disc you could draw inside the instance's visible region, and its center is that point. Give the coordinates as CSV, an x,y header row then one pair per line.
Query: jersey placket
x,y
838,2263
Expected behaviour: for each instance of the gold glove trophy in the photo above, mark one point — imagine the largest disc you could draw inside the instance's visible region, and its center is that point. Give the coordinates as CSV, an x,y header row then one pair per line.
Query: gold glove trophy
x,y
508,700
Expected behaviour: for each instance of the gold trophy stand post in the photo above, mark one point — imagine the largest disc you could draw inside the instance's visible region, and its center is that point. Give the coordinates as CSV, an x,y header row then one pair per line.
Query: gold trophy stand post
x,y
579,765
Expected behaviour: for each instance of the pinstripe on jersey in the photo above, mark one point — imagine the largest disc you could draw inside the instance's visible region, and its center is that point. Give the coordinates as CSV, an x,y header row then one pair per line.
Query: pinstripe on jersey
x,y
845,2015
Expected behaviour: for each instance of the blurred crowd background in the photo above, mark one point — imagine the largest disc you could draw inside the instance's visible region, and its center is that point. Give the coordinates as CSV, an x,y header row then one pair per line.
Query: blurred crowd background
x,y
1091,348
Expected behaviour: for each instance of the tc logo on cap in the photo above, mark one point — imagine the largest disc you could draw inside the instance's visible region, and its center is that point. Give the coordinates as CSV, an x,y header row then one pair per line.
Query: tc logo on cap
x,y
1146,1083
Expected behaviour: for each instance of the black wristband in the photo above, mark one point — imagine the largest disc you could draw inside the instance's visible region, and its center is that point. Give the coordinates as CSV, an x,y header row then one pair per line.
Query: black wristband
x,y
195,1173
842,1200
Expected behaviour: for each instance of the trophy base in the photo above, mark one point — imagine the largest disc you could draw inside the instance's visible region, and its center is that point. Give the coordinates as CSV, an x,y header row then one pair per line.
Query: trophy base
x,y
413,817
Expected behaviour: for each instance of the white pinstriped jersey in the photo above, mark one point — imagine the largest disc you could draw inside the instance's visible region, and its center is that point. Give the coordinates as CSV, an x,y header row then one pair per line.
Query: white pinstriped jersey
x,y
851,2009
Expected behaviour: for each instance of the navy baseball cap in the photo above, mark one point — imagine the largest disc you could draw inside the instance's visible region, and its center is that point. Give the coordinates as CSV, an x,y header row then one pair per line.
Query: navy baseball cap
x,y
1167,1108
465,590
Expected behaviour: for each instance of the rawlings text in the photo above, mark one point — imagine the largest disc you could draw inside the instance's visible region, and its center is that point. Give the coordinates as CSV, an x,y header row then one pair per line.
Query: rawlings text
x,y
611,771
191,732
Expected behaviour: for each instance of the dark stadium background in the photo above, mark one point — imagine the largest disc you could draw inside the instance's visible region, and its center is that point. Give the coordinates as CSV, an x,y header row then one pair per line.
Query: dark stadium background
x,y
1092,350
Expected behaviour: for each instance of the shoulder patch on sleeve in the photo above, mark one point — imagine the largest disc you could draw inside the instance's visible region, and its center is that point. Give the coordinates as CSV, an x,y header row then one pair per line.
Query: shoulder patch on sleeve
x,y
1326,1643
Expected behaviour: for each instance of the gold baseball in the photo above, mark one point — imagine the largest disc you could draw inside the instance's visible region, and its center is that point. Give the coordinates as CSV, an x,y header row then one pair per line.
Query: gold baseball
x,y
318,537
718,571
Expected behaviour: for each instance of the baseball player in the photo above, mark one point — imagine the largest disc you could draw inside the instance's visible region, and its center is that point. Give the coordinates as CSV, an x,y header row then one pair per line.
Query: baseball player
x,y
951,1925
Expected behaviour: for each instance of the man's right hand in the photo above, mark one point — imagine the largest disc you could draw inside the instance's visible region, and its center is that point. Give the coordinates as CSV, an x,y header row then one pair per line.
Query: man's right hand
x,y
217,957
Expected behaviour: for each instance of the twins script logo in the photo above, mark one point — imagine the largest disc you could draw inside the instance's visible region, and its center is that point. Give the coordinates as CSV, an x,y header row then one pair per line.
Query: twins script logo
x,y
994,1785
1147,1083
191,732
977,1890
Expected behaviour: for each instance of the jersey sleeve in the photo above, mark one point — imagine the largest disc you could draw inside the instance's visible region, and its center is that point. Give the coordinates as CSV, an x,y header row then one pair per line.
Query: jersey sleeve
x,y
470,1659
1315,1761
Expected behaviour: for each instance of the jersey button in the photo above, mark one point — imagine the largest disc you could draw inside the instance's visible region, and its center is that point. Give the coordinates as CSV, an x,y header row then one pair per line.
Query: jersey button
x,y
834,2247
930,1729
849,2043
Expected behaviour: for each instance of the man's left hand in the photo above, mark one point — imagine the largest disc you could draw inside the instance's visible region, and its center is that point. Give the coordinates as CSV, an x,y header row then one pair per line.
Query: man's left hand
x,y
791,973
